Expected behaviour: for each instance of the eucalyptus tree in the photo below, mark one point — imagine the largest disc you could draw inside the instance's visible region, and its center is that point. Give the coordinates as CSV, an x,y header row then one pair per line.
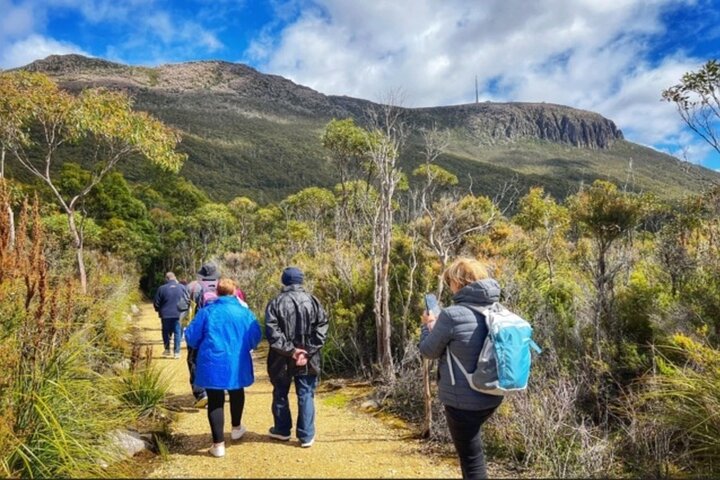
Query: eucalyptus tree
x,y
374,151
607,217
244,210
313,206
434,178
37,118
697,99
347,144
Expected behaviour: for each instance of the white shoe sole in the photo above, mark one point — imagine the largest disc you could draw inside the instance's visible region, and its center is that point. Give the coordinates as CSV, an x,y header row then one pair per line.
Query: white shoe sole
x,y
308,444
217,452
237,434
277,436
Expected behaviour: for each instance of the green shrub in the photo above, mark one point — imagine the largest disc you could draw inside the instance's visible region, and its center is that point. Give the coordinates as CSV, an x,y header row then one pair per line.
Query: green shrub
x,y
144,389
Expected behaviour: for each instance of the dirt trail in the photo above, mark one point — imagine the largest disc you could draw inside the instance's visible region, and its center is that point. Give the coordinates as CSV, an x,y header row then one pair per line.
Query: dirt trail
x,y
348,444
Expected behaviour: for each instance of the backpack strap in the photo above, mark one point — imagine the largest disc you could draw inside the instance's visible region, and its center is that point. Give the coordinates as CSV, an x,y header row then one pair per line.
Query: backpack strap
x,y
451,356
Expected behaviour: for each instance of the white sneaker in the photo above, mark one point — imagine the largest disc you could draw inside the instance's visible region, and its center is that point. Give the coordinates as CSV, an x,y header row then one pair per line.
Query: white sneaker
x,y
237,432
308,444
166,353
217,450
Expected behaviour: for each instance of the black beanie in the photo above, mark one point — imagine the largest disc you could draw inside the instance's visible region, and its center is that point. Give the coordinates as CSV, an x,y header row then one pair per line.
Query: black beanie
x,y
292,276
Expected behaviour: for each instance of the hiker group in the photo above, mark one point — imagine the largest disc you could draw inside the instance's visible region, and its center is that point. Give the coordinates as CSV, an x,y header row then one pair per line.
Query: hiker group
x,y
475,334
222,332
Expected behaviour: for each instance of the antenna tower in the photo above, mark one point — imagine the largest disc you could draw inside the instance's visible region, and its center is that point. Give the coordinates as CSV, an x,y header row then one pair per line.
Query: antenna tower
x,y
477,97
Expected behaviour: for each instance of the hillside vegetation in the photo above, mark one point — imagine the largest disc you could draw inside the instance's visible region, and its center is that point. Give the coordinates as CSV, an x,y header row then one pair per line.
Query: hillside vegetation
x,y
257,135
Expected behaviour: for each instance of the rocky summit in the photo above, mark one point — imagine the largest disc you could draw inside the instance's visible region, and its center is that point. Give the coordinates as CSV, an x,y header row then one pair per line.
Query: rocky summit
x,y
250,133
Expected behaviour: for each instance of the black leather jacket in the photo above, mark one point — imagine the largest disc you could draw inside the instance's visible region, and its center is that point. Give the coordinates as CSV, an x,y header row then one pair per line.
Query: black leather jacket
x,y
294,319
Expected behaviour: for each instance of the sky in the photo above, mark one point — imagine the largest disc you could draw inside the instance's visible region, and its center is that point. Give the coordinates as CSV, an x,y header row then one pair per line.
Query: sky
x,y
613,57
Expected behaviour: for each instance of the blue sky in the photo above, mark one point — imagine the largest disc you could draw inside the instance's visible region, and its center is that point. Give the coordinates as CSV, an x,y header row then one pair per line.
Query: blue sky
x,y
613,57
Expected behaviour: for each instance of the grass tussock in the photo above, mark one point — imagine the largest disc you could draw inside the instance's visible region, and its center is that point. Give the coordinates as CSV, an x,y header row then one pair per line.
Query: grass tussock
x,y
676,410
144,389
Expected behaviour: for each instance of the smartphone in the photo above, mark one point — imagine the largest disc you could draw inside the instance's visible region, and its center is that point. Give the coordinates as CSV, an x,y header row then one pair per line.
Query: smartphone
x,y
431,304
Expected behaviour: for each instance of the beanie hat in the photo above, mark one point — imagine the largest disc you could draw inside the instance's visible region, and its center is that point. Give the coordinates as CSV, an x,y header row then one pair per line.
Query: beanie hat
x,y
209,271
292,276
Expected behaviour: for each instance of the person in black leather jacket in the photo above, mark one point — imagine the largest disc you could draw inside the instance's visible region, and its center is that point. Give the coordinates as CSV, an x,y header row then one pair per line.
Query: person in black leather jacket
x,y
296,327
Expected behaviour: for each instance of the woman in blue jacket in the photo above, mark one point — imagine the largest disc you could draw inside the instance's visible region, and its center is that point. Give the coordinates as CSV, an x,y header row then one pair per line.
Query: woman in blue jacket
x,y
223,333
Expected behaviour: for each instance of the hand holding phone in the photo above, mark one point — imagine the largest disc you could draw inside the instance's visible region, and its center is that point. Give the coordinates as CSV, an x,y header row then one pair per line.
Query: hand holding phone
x,y
432,307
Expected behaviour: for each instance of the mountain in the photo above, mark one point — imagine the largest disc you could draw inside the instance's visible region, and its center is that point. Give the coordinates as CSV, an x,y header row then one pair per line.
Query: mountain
x,y
254,134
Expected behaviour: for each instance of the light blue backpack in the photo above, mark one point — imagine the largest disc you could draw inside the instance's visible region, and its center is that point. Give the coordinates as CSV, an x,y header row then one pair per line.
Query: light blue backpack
x,y
503,365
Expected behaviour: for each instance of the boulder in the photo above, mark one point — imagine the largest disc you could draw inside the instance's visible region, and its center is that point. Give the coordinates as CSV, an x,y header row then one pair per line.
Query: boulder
x,y
129,443
370,405
121,366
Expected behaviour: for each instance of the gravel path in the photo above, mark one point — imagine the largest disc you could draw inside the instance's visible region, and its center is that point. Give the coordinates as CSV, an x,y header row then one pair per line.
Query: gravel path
x,y
348,443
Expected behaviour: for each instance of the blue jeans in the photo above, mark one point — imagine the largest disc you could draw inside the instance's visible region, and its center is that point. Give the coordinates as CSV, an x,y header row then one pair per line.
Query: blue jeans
x,y
305,390
171,326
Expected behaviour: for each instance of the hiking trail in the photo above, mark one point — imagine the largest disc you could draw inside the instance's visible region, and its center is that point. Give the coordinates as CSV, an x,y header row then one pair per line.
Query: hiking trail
x,y
348,443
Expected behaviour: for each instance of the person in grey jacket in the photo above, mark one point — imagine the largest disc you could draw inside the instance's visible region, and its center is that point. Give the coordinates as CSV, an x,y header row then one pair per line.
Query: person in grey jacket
x,y
463,331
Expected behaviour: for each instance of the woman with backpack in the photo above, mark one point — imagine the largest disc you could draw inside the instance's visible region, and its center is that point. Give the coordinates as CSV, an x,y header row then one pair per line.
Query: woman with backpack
x,y
223,333
462,330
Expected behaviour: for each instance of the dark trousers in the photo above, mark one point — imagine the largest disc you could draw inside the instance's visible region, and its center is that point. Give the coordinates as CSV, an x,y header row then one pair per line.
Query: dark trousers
x,y
198,392
171,327
305,390
216,413
464,426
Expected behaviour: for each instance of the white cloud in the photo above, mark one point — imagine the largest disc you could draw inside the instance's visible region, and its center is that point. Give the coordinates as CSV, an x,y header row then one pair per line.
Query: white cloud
x,y
582,53
33,48
96,11
435,49
692,150
141,30
169,31
16,20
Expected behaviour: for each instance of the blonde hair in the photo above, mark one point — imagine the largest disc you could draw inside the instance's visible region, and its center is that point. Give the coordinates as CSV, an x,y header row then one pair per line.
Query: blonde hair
x,y
465,271
226,286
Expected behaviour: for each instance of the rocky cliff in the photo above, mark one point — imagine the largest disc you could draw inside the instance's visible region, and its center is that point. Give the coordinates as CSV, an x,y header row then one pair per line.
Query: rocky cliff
x,y
224,84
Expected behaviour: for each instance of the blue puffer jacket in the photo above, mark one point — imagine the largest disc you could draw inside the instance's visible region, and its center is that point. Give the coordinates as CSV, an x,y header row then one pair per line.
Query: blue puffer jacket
x,y
464,332
224,332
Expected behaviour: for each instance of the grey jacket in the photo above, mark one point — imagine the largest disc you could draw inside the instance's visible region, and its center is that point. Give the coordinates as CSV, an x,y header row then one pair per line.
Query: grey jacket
x,y
464,332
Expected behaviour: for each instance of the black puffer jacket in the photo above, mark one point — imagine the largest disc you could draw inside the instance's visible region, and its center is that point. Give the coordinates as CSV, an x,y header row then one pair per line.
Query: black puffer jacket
x,y
463,331
294,319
